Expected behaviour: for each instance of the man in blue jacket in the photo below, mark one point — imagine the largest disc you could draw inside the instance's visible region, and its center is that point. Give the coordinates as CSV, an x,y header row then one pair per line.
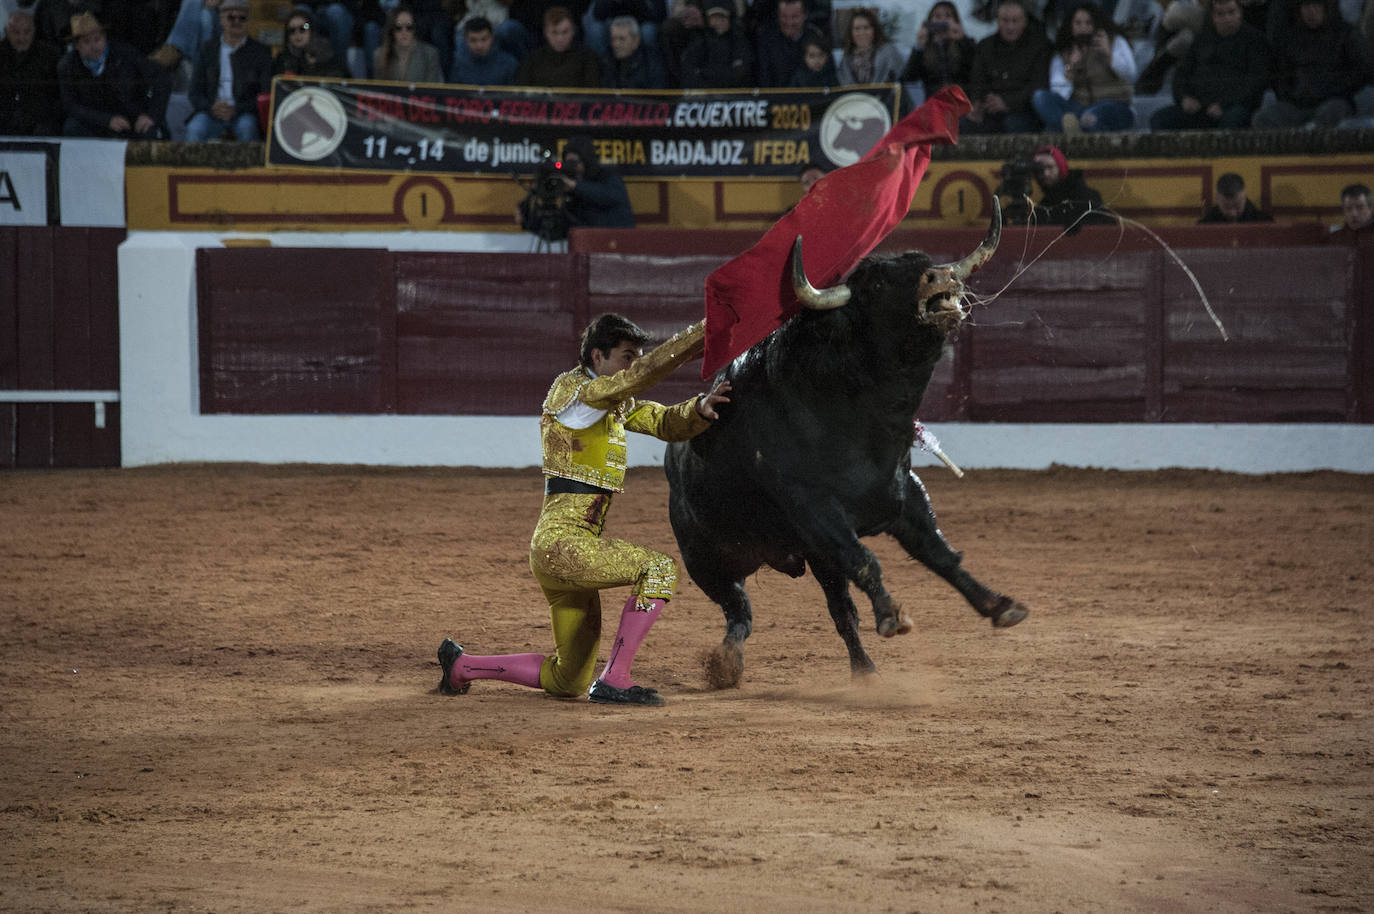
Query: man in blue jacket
x,y
477,61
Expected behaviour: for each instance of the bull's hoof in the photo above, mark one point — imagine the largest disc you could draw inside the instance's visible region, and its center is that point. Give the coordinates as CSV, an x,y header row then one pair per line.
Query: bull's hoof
x,y
723,665
898,624
1007,613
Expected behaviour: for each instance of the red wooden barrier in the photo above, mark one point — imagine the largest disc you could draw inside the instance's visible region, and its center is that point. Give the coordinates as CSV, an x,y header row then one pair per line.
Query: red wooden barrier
x,y
59,332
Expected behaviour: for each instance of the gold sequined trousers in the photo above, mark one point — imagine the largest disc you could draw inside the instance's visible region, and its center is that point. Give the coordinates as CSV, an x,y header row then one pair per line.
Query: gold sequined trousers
x,y
573,562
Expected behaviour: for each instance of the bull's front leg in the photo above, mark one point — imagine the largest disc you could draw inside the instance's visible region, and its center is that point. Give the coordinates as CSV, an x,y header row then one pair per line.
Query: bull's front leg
x,y
828,538
920,535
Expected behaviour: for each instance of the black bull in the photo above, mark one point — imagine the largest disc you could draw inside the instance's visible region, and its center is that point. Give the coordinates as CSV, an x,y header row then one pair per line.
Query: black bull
x,y
814,452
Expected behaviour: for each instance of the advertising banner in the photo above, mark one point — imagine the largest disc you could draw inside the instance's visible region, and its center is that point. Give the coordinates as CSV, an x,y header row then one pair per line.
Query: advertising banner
x,y
384,126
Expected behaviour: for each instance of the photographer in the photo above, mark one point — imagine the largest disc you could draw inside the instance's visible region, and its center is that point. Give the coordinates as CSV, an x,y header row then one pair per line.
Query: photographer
x,y
1090,76
596,197
1065,198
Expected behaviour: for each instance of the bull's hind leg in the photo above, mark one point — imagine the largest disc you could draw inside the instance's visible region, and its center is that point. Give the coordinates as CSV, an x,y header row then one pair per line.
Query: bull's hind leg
x,y
920,535
846,616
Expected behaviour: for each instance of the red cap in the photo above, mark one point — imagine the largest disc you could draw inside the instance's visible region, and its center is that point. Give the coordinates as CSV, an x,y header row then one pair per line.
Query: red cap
x,y
1054,153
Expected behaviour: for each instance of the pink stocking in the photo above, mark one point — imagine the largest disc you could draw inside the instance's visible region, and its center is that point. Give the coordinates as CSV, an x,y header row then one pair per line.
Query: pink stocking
x,y
634,625
521,669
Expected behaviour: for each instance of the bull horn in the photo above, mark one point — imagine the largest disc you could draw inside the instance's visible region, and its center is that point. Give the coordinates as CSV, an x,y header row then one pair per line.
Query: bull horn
x,y
809,295
983,253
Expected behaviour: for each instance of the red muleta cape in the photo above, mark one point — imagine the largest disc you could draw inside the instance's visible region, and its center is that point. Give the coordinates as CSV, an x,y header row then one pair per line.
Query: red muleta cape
x,y
841,220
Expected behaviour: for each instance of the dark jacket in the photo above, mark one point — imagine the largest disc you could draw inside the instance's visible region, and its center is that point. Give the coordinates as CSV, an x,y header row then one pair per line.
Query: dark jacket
x,y
1314,65
1228,71
1068,199
1013,71
718,61
600,202
131,85
1248,213
30,104
807,78
316,60
497,68
778,56
641,70
252,66
576,68
940,63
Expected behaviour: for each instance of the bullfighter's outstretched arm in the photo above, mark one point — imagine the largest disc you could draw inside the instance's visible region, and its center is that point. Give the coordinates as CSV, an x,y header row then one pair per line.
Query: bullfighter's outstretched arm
x,y
647,370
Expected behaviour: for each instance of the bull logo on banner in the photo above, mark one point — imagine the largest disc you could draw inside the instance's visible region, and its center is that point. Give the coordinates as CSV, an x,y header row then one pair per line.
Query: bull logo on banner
x,y
310,124
851,126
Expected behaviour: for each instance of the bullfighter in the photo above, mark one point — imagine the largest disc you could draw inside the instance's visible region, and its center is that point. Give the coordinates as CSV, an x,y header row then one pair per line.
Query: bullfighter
x,y
583,423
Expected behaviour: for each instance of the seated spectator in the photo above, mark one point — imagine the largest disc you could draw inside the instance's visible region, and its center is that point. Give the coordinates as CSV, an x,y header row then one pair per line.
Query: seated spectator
x,y
1090,76
1066,199
562,62
1319,67
335,19
523,29
684,24
229,76
868,56
817,70
720,58
632,64
30,104
109,89
494,12
596,195
403,57
1008,66
477,61
128,22
943,54
1221,79
1357,214
781,45
1232,204
756,14
808,175
305,52
647,14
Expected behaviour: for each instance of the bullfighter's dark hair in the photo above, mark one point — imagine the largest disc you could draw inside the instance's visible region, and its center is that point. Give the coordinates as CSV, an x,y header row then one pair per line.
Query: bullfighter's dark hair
x,y
607,332
1230,184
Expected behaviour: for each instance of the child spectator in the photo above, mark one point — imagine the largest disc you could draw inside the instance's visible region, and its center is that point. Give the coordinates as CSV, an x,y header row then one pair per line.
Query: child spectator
x,y
817,70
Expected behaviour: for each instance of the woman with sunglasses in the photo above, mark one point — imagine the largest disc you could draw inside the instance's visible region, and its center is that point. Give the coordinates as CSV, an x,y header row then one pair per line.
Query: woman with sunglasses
x,y
306,51
403,57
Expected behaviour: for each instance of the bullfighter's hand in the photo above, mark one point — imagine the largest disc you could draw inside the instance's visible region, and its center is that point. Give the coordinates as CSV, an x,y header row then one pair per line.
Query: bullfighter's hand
x,y
706,403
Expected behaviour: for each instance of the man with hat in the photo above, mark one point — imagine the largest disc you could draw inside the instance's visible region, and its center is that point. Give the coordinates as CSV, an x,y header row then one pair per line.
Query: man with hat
x,y
108,88
230,73
1066,199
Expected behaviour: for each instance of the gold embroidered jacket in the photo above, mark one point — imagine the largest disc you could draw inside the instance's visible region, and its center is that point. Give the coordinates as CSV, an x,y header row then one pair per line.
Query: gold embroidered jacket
x,y
596,454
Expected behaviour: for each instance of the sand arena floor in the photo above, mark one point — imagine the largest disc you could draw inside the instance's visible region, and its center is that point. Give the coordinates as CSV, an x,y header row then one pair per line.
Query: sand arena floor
x,y
218,695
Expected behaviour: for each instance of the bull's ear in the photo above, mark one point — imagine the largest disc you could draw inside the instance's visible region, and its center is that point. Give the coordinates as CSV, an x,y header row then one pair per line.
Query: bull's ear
x,y
983,253
809,296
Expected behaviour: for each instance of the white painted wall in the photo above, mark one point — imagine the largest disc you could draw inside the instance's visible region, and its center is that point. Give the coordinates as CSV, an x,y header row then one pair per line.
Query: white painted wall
x,y
161,424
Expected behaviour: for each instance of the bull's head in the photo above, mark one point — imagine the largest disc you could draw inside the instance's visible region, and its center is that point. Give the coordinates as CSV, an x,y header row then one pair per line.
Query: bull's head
x,y
939,294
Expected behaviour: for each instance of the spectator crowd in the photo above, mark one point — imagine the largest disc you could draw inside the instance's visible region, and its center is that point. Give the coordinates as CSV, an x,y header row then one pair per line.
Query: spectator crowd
x,y
107,67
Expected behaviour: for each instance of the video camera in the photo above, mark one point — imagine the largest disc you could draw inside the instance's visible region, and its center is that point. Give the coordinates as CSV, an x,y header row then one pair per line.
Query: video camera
x,y
543,211
1016,184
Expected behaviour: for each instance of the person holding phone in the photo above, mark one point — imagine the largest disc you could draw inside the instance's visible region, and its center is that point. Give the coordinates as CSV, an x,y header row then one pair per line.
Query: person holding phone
x,y
943,54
